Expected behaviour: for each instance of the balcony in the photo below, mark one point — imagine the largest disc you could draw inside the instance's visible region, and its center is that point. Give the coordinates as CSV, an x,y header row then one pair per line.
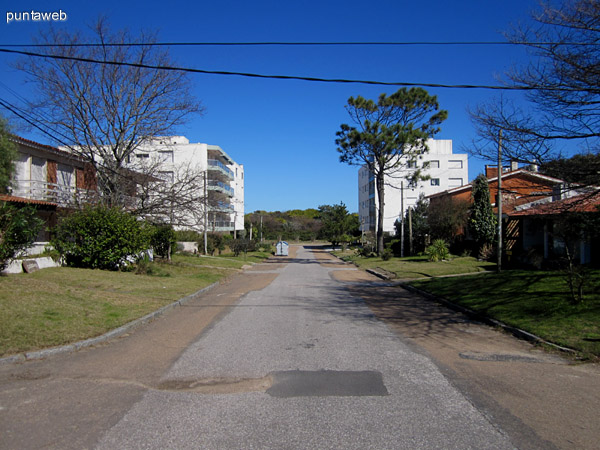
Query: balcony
x,y
220,226
60,194
214,164
220,187
221,207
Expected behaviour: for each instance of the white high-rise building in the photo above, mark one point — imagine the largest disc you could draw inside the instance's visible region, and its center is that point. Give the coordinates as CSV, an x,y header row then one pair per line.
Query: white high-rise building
x,y
224,199
445,169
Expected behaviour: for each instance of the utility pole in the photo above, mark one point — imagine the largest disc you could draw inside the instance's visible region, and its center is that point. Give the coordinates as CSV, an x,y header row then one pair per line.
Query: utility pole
x,y
205,213
261,229
402,219
499,202
410,234
362,231
234,222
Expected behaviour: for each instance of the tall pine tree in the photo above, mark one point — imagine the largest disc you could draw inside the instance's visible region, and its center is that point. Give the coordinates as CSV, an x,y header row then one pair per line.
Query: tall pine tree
x,y
482,222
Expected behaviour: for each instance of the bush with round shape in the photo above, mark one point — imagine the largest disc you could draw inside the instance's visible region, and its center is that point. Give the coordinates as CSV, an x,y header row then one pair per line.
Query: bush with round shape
x,y
100,237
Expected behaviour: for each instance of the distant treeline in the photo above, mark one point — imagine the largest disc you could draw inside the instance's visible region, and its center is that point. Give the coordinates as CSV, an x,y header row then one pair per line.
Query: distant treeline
x,y
294,225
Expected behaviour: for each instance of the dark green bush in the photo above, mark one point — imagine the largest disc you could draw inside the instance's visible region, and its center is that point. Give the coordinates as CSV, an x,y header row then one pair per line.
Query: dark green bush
x,y
163,240
265,246
189,236
242,245
18,229
100,238
387,254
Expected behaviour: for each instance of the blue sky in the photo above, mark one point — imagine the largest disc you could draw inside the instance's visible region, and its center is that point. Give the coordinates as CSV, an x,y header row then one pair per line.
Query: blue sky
x,y
284,131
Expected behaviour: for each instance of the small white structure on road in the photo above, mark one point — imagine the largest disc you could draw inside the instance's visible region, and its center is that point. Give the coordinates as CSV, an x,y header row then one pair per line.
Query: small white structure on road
x,y
281,248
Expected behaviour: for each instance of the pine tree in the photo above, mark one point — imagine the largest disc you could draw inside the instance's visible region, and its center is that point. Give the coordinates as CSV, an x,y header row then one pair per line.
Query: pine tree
x,y
482,222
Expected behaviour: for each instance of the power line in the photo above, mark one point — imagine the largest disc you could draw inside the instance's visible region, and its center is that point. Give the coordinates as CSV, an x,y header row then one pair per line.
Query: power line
x,y
277,77
297,44
23,115
36,114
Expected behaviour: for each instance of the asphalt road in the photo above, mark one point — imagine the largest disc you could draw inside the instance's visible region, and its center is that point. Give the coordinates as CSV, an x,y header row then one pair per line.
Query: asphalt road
x,y
304,353
302,364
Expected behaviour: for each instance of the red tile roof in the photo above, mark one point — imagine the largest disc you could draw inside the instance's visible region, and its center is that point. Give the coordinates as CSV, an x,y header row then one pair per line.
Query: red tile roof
x,y
505,176
589,202
48,148
13,199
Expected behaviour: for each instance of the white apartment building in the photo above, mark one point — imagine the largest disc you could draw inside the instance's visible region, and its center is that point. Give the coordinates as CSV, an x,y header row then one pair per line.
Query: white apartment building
x,y
224,178
446,170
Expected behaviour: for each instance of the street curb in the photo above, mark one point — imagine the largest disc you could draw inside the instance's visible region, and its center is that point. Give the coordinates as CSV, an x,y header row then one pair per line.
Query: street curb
x,y
379,274
112,334
517,332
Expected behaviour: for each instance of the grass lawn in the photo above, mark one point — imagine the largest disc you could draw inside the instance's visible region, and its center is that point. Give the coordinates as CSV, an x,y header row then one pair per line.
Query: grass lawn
x,y
534,301
63,305
417,266
226,260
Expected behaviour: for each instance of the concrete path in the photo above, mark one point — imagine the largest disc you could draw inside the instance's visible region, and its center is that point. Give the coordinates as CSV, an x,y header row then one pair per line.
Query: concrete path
x,y
303,364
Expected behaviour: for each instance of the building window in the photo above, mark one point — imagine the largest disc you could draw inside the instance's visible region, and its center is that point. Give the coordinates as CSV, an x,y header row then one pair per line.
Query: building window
x,y
142,155
412,164
433,164
455,164
166,176
435,181
455,182
165,156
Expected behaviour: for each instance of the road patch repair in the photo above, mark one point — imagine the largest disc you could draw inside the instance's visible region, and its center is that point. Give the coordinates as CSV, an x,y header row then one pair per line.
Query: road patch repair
x,y
327,383
288,383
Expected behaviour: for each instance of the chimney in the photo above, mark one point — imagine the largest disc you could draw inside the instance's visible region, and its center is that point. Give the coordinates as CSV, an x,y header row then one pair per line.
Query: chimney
x,y
491,171
514,165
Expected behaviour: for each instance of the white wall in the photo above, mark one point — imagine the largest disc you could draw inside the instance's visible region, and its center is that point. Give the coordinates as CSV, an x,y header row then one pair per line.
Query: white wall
x,y
195,155
446,170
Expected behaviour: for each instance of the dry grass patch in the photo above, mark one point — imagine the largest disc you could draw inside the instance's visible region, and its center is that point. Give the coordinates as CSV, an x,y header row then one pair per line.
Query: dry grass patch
x,y
63,305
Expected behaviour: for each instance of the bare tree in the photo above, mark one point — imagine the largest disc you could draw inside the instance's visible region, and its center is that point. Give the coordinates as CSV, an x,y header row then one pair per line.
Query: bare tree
x,y
176,196
106,111
561,85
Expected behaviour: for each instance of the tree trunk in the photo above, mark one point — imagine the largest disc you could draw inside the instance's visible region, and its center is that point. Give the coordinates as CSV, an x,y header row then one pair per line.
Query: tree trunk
x,y
380,212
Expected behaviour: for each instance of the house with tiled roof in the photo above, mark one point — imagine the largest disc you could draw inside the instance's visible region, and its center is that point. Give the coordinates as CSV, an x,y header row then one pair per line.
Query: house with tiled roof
x,y
519,186
531,204
49,179
539,226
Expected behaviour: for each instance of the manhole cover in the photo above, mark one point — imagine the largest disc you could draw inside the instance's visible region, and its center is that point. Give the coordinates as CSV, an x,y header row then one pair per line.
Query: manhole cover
x,y
325,383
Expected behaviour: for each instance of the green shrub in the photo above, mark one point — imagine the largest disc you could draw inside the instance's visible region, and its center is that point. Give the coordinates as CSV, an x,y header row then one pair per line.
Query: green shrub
x,y
146,267
189,236
366,251
163,240
100,238
265,246
242,245
387,254
438,250
226,240
18,229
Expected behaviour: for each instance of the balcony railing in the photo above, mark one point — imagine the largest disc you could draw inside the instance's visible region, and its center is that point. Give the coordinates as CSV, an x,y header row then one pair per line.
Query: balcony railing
x,y
222,207
220,186
220,226
60,194
215,164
